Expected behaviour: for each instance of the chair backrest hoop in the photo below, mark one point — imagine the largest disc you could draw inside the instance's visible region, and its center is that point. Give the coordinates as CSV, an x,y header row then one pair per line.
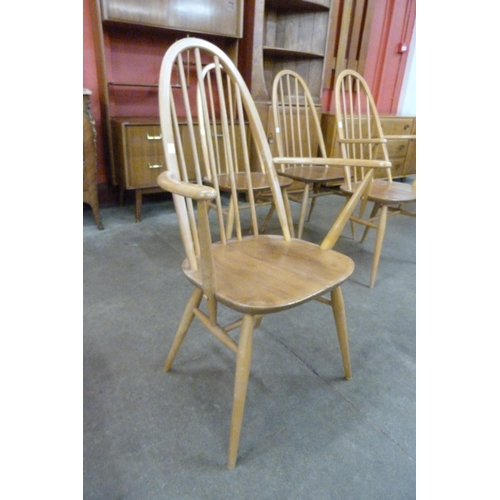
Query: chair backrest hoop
x,y
359,129
173,79
297,126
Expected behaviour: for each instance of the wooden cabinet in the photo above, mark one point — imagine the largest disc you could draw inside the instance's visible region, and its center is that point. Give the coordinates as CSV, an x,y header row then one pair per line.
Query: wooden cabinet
x,y
296,35
139,156
138,150
292,35
402,152
131,38
90,195
221,17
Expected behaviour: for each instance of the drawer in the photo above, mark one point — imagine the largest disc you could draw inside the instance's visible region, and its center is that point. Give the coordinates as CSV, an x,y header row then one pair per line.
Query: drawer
x,y
396,125
144,158
144,141
143,171
397,148
411,159
137,153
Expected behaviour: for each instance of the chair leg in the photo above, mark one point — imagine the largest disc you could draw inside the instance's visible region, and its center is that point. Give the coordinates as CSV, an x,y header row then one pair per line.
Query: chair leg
x,y
288,210
378,243
341,324
187,318
375,209
268,217
230,217
313,202
353,224
303,210
243,359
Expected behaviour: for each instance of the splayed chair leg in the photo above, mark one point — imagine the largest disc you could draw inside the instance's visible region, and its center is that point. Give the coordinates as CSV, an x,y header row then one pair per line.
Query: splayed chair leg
x,y
375,210
341,324
378,244
243,360
187,318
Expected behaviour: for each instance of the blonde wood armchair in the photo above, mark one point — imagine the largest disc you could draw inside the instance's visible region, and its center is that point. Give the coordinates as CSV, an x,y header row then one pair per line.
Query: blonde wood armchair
x,y
253,275
259,186
361,136
298,134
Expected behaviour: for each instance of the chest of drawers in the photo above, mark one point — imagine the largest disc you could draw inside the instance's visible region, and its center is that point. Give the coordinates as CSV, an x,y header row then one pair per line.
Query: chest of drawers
x,y
138,156
402,152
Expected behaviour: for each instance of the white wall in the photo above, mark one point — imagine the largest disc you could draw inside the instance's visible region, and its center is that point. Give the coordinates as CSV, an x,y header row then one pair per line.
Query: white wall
x,y
408,98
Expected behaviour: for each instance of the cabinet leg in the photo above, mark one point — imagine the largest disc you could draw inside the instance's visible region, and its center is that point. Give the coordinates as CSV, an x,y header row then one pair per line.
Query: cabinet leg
x,y
138,204
97,216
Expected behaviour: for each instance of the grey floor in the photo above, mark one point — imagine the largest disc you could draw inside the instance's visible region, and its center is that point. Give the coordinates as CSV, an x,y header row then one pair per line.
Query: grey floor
x,y
307,432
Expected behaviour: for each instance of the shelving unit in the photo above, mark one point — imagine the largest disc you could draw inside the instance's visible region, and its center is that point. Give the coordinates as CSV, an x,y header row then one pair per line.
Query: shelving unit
x,y
278,35
131,38
293,34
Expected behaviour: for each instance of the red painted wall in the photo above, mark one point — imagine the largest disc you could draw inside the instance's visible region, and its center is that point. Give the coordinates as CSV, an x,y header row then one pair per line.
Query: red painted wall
x,y
392,27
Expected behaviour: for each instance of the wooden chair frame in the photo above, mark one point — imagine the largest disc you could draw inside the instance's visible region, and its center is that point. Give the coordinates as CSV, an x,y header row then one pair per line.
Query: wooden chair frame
x,y
360,135
254,275
259,178
298,134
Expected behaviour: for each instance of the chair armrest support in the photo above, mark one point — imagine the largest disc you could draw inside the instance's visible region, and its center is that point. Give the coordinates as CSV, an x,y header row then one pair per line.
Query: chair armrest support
x,y
375,140
168,182
399,137
335,162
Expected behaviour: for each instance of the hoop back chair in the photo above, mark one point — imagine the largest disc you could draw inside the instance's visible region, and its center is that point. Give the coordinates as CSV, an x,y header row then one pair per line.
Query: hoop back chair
x,y
360,135
213,127
298,134
253,275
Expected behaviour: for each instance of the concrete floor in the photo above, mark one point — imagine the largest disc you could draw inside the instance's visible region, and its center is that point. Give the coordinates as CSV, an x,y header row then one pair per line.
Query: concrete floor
x,y
307,432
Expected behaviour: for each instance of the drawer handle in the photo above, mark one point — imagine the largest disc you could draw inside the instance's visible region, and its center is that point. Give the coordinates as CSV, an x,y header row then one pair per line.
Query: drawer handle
x,y
153,137
159,165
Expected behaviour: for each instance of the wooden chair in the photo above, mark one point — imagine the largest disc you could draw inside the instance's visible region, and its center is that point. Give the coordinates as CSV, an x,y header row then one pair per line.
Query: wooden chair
x,y
298,134
260,185
360,135
253,275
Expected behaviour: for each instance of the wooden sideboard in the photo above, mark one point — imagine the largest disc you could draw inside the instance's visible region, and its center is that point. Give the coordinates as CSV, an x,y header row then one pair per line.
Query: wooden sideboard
x,y
402,152
138,153
90,195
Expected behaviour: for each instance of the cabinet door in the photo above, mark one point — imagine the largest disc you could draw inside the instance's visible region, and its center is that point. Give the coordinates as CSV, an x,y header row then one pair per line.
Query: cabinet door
x,y
144,155
216,17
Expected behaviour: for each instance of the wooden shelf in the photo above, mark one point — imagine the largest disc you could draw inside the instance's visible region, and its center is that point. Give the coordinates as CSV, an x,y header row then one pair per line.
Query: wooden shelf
x,y
299,5
281,52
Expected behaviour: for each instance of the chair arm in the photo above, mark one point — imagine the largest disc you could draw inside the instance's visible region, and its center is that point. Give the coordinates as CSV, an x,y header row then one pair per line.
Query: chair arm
x,y
168,182
399,137
367,140
335,162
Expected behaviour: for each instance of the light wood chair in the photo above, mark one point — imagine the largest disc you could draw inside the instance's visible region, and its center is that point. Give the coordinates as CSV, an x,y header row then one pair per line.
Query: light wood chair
x,y
212,127
360,135
253,275
298,134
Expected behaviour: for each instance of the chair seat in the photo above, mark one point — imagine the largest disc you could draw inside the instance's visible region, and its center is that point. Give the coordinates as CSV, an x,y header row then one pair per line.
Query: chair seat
x,y
259,181
268,274
313,173
386,192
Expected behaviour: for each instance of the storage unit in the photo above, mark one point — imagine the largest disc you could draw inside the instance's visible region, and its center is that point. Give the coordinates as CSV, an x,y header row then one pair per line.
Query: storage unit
x,y
402,152
286,35
132,37
90,194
